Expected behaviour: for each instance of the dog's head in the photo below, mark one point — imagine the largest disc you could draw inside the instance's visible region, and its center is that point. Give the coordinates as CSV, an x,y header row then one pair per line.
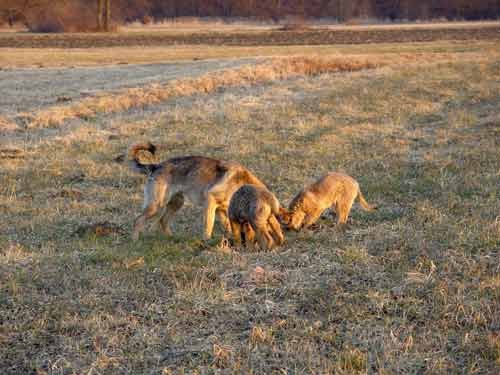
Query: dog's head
x,y
288,219
284,217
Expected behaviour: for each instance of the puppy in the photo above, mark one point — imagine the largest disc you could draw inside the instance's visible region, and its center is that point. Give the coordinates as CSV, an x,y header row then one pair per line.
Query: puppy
x,y
253,210
335,190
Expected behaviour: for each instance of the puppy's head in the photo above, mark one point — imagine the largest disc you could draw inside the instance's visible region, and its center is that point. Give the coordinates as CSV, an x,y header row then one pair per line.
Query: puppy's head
x,y
285,217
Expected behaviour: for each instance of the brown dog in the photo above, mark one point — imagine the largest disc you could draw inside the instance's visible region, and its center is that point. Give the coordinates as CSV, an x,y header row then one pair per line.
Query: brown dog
x,y
253,211
335,190
206,182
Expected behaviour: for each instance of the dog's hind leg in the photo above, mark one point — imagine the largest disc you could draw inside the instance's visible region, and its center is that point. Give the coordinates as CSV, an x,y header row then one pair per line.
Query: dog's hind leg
x,y
344,208
154,201
140,223
174,204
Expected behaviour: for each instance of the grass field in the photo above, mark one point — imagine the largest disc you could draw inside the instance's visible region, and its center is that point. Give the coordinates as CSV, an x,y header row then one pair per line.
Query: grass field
x,y
412,288
13,58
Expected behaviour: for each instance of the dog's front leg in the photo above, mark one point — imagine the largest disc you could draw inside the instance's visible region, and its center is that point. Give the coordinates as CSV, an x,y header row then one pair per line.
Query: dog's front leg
x,y
311,218
209,216
224,219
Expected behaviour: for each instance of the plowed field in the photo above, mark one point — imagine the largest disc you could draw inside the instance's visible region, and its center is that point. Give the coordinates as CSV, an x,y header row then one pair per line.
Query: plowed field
x,y
273,37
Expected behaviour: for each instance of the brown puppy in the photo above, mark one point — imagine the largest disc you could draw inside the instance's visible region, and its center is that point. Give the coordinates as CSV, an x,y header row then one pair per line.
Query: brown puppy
x,y
206,182
335,190
254,209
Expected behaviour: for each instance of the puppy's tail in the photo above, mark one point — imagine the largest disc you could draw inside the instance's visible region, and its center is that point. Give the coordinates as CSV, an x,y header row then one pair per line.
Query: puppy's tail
x,y
133,155
364,204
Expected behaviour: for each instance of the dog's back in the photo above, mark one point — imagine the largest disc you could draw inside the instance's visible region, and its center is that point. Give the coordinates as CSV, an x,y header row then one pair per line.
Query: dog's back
x,y
201,169
180,169
333,188
252,203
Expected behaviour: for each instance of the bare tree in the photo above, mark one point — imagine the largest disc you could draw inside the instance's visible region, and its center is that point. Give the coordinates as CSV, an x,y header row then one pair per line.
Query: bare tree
x,y
77,15
104,15
107,16
100,12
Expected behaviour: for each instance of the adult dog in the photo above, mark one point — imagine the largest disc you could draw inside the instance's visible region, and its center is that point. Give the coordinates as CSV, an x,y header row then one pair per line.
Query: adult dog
x,y
206,182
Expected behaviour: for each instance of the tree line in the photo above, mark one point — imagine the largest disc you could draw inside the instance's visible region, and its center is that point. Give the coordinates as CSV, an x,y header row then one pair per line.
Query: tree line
x,y
341,10
73,15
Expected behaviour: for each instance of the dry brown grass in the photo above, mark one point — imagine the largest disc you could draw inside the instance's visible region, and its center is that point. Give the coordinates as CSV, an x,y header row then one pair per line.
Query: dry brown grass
x,y
409,289
208,83
6,125
276,69
11,58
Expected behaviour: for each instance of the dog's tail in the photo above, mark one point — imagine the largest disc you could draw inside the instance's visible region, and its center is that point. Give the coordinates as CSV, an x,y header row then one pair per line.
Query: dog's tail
x,y
364,204
133,155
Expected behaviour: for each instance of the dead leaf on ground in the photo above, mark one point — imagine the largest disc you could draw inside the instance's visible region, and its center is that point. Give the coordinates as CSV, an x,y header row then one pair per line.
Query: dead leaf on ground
x,y
119,158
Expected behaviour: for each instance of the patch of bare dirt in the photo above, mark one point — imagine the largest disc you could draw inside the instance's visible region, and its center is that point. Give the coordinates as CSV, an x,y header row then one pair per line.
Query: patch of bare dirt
x,y
271,37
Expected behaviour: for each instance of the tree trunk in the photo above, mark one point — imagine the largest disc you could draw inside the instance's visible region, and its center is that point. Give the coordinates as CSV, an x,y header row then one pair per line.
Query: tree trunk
x,y
107,16
100,11
10,17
